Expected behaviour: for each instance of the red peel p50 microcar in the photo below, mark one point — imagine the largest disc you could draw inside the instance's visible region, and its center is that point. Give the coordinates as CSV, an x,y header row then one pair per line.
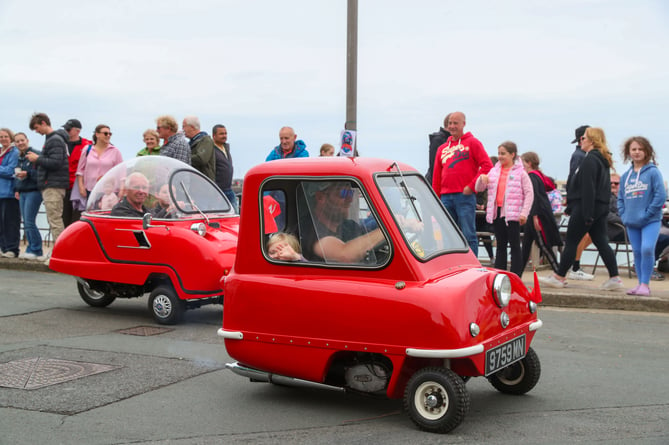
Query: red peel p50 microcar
x,y
176,248
369,286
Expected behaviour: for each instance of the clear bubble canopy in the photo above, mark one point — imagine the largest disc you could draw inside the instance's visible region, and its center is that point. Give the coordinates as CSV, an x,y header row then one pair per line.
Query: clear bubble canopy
x,y
174,187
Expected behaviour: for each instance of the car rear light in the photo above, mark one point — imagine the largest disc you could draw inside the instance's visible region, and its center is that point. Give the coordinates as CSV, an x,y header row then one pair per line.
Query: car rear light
x,y
501,290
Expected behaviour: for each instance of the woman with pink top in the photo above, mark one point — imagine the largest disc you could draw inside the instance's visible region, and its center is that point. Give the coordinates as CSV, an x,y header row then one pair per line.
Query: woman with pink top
x,y
97,159
510,197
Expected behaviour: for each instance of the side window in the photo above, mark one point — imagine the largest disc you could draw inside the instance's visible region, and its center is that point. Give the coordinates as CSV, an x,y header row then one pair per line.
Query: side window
x,y
336,225
274,211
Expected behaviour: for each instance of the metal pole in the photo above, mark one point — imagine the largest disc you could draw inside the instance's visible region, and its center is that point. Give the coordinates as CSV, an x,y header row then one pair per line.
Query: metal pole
x,y
352,69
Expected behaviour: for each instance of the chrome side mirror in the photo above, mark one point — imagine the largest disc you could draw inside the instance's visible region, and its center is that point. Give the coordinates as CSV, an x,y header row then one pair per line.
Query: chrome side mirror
x,y
146,222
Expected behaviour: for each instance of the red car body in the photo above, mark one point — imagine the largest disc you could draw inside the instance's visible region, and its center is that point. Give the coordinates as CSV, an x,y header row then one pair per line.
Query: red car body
x,y
179,259
402,324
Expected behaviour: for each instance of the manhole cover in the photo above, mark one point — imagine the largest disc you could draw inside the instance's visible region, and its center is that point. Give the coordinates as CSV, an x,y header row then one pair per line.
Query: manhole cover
x,y
144,331
38,372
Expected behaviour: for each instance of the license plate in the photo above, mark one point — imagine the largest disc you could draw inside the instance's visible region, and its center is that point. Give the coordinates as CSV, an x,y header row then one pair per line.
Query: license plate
x,y
505,354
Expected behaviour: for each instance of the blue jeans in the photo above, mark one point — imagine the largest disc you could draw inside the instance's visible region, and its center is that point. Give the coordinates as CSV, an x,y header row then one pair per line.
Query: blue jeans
x,y
462,209
29,203
232,198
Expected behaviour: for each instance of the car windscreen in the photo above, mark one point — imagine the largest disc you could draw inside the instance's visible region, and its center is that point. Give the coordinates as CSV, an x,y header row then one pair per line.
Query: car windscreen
x,y
422,219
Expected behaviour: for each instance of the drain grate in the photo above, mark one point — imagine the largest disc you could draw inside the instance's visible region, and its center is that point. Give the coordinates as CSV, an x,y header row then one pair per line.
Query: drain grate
x,y
38,372
144,331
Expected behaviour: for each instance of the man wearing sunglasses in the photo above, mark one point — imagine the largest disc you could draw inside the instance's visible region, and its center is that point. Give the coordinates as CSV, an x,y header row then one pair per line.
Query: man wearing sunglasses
x,y
330,235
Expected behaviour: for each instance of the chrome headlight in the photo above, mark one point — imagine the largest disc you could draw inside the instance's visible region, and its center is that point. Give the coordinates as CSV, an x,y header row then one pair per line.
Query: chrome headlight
x,y
199,228
501,290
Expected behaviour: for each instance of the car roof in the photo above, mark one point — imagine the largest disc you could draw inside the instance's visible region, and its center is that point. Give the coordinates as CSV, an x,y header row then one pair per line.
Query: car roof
x,y
325,166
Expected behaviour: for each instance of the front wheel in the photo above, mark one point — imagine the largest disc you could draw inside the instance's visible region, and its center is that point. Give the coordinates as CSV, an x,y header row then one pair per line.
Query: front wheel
x,y
436,399
519,377
165,305
93,297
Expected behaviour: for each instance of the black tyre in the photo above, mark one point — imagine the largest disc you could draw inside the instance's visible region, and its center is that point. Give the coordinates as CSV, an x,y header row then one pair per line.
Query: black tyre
x,y
92,297
436,399
165,305
519,377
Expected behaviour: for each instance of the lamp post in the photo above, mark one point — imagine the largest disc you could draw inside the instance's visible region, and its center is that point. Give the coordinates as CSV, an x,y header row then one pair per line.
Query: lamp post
x,y
352,69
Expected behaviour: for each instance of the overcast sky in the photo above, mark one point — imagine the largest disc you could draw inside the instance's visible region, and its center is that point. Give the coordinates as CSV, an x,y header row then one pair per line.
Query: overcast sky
x,y
526,71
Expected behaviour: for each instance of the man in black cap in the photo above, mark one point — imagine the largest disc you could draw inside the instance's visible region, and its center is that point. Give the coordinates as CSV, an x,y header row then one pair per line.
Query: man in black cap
x,y
75,146
576,273
578,154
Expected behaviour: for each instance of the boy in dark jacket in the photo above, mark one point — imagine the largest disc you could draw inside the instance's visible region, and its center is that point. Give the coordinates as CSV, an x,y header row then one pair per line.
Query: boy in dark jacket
x,y
52,170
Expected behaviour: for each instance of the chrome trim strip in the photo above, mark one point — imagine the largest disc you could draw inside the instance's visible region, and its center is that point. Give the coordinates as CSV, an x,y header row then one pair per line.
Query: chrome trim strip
x,y
536,325
232,335
445,353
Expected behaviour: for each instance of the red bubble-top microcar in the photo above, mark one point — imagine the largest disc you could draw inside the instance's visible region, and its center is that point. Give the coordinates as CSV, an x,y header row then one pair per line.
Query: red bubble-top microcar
x,y
176,248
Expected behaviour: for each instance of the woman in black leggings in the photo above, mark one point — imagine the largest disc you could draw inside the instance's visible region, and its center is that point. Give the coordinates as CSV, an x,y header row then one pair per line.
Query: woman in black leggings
x,y
588,195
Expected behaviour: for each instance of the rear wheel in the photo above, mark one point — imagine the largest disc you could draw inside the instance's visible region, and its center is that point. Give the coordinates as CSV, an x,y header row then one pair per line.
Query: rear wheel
x,y
519,377
165,305
93,297
436,399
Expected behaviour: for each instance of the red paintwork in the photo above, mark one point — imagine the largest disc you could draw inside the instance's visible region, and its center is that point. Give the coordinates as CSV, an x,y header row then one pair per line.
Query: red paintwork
x,y
295,318
111,252
91,249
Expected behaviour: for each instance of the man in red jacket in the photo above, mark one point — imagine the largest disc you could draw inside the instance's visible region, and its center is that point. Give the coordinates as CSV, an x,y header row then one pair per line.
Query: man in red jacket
x,y
457,165
74,148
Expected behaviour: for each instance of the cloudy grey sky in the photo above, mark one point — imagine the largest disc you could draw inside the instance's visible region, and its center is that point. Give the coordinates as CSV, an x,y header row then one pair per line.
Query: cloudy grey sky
x,y
527,71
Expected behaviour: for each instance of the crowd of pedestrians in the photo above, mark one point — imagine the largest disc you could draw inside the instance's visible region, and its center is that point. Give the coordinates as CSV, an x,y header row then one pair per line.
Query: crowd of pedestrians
x,y
520,198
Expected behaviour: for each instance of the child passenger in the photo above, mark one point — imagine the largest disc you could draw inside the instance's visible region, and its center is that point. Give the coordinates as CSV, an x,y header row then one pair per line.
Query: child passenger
x,y
109,199
284,246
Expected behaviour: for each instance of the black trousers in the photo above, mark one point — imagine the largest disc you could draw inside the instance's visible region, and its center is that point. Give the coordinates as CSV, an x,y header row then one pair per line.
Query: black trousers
x,y
70,215
507,233
600,238
533,235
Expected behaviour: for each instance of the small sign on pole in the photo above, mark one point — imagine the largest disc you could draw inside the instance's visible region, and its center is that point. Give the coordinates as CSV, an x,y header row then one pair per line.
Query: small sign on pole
x,y
347,143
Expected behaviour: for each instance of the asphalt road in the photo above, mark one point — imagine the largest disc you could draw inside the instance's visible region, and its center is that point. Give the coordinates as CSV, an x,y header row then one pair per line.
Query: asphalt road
x,y
604,380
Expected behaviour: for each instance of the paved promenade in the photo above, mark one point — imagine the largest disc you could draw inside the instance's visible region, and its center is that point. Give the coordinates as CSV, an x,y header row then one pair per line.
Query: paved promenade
x,y
577,294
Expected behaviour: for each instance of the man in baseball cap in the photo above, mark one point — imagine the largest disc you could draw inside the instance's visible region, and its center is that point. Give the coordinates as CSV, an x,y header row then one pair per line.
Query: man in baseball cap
x,y
75,147
578,154
579,132
72,123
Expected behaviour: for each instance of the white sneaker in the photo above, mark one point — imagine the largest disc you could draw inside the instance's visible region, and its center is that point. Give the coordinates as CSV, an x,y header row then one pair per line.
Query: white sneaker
x,y
551,281
44,257
28,256
613,283
9,255
580,275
